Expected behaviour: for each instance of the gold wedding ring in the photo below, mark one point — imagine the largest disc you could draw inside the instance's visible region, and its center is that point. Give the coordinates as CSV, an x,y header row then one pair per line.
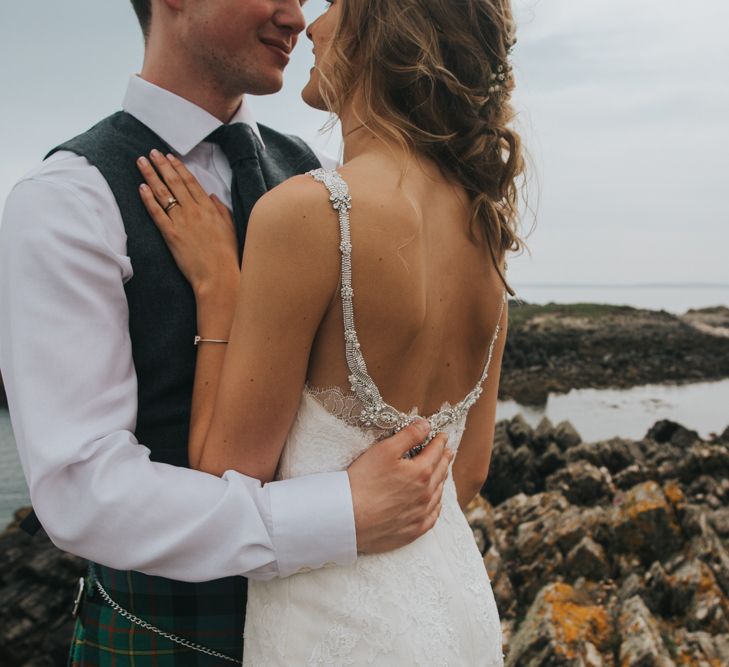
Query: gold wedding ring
x,y
171,203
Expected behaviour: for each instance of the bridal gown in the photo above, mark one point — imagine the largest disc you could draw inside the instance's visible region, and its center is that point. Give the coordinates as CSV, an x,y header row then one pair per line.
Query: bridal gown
x,y
427,604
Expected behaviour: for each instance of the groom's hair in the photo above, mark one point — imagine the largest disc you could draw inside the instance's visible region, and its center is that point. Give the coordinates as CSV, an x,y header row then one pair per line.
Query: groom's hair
x,y
143,10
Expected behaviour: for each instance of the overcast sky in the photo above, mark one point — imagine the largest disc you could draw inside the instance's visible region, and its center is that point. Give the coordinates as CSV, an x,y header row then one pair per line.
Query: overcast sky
x,y
623,104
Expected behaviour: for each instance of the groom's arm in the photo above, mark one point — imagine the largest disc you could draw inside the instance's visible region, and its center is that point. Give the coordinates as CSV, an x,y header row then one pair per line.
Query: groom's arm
x,y
66,359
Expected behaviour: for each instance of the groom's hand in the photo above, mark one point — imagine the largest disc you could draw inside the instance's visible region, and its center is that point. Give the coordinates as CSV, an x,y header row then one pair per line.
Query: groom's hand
x,y
396,500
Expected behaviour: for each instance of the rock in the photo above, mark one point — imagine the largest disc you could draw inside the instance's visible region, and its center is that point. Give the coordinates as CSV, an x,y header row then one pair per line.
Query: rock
x,y
613,454
479,515
520,433
675,496
480,540
566,436
684,438
504,594
551,459
642,645
657,590
543,435
37,586
632,585
531,551
644,523
581,483
587,559
559,347
701,648
562,627
667,431
707,546
704,459
719,520
505,479
632,475
696,596
571,529
662,430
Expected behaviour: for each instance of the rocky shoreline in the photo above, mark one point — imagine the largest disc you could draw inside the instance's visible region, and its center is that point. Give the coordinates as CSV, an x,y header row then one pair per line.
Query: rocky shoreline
x,y
608,553
600,554
559,347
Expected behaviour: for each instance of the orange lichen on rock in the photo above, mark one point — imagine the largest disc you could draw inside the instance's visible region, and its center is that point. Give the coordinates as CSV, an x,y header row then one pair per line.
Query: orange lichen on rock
x,y
574,621
674,494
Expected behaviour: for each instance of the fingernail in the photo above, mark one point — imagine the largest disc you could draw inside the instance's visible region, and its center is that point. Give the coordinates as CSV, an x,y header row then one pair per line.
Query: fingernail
x,y
423,426
171,157
143,160
156,154
144,187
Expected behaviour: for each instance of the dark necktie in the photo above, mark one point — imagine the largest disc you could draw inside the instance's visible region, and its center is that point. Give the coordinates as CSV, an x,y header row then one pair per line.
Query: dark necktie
x,y
241,147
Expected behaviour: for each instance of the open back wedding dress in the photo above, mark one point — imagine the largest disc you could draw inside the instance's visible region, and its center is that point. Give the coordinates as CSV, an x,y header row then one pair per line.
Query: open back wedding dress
x,y
428,604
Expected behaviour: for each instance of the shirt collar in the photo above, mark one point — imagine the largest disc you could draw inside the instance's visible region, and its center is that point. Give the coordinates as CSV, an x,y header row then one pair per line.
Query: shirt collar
x,y
179,122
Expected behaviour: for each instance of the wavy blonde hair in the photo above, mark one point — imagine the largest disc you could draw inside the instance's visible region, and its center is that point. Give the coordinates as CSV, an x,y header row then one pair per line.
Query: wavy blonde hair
x,y
423,71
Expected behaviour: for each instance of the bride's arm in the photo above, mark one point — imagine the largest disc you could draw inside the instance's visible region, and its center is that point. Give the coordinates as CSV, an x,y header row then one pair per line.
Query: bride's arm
x,y
471,466
289,277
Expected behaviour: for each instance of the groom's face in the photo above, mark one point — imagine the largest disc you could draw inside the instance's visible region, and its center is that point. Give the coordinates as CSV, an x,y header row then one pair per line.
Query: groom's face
x,y
244,44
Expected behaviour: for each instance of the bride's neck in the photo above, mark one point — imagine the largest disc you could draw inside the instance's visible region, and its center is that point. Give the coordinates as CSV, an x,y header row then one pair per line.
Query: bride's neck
x,y
359,139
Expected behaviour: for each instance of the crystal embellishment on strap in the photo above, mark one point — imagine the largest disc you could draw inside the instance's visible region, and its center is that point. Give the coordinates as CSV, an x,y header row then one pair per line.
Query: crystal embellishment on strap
x,y
376,412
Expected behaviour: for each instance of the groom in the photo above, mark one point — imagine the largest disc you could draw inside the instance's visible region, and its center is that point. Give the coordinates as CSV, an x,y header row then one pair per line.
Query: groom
x,y
96,348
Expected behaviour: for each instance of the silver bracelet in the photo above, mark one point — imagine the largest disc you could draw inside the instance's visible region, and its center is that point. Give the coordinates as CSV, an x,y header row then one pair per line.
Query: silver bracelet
x,y
198,339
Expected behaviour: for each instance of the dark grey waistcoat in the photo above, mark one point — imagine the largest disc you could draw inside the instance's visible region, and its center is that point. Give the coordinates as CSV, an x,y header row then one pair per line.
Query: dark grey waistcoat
x,y
162,320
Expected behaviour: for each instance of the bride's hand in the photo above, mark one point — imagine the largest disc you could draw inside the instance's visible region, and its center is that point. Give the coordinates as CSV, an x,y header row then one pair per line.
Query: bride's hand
x,y
197,228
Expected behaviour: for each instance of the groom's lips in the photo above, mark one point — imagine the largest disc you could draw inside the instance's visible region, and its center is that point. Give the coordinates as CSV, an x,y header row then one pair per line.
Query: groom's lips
x,y
279,46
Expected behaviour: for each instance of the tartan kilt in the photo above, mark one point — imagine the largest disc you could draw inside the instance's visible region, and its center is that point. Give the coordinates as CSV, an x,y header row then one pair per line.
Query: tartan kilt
x,y
211,613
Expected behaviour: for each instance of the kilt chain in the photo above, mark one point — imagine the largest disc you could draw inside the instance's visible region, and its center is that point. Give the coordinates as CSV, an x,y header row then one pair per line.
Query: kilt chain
x,y
148,626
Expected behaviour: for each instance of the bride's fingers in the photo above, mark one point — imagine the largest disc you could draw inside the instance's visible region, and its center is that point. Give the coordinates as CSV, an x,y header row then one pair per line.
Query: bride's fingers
x,y
160,218
192,184
172,179
160,191
222,208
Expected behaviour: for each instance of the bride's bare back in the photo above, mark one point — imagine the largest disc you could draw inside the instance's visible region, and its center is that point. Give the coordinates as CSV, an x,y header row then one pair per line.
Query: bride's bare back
x,y
427,297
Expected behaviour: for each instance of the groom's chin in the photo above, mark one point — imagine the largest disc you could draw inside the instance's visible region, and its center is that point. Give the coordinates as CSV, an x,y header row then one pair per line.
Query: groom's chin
x,y
265,86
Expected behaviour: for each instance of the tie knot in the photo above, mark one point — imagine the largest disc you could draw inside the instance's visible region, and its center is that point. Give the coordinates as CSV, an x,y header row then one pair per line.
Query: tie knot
x,y
238,141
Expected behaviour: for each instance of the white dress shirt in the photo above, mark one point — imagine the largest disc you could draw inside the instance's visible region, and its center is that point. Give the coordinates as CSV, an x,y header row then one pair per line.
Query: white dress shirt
x,y
66,360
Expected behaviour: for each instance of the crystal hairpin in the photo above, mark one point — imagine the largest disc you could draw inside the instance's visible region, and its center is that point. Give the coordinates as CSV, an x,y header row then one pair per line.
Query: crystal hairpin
x,y
504,70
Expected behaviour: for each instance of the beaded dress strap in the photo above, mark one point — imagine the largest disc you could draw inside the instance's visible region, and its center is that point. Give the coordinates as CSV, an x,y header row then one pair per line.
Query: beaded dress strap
x,y
376,412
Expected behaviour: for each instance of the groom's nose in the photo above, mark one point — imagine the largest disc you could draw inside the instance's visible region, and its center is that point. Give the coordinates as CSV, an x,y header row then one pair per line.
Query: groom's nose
x,y
290,17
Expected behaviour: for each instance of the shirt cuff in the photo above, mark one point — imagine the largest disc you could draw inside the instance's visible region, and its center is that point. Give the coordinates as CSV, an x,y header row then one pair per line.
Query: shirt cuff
x,y
313,522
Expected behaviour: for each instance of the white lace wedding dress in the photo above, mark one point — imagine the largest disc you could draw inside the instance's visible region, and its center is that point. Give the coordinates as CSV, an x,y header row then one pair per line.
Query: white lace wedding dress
x,y
428,604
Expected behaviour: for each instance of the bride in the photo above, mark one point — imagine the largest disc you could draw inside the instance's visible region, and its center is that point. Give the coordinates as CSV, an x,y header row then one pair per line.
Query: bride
x,y
363,292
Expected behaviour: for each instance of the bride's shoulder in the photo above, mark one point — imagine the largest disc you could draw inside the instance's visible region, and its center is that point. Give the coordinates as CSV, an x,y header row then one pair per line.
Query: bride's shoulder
x,y
298,201
296,216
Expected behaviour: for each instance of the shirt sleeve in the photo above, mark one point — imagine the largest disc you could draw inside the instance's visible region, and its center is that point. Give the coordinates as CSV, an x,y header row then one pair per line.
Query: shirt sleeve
x,y
67,366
